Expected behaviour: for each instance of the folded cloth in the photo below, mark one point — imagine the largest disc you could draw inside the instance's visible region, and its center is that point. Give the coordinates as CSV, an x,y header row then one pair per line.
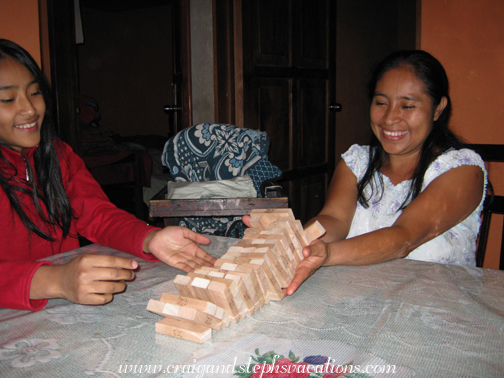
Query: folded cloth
x,y
238,187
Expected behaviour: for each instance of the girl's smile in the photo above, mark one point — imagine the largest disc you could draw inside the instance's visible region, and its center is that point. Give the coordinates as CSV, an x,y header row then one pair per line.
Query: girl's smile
x,y
22,106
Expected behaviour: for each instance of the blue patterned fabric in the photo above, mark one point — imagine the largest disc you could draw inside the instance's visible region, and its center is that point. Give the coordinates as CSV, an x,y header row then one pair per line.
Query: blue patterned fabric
x,y
215,151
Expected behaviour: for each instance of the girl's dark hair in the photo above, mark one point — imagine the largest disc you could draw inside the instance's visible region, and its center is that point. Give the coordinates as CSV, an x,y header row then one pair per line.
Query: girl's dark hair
x,y
47,187
441,138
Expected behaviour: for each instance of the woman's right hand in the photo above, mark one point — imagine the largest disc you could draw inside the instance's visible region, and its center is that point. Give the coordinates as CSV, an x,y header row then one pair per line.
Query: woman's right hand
x,y
315,255
88,279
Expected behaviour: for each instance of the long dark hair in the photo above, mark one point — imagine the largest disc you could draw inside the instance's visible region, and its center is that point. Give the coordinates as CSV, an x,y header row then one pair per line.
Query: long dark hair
x,y
47,187
430,71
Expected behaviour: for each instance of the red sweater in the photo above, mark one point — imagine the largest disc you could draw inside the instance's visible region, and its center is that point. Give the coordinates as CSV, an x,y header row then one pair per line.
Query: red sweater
x,y
95,218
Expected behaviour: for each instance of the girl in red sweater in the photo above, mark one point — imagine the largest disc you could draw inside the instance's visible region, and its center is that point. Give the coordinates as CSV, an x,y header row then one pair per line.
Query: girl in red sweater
x,y
48,198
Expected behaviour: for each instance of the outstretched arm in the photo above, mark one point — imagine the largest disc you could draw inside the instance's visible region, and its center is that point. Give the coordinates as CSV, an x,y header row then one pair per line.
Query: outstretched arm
x,y
447,201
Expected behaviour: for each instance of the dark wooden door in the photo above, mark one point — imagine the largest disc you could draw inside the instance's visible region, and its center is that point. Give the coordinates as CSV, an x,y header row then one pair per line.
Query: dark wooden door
x,y
180,111
288,49
61,48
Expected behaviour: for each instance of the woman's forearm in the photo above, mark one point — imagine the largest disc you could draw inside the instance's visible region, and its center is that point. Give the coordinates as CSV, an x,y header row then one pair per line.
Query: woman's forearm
x,y
374,247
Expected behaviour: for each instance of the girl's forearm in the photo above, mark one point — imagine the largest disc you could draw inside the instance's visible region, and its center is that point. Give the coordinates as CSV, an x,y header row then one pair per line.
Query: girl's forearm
x,y
44,283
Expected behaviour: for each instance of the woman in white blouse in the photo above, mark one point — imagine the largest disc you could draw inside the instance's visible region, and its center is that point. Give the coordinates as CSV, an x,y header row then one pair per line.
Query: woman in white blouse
x,y
414,192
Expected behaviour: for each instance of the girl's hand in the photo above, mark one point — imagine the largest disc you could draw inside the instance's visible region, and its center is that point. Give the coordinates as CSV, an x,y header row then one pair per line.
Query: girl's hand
x,y
88,279
176,246
315,255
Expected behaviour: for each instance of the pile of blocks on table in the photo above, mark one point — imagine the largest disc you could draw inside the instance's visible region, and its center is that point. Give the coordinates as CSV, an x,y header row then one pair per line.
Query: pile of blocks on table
x,y
247,276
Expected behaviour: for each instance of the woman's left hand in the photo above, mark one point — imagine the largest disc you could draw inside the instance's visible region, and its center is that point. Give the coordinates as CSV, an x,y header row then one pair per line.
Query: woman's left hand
x,y
315,255
176,246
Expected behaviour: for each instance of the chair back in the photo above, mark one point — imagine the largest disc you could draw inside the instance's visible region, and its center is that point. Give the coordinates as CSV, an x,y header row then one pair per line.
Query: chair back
x,y
215,151
493,204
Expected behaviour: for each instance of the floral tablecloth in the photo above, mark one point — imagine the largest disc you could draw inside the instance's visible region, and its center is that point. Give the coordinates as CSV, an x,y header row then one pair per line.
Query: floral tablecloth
x,y
398,319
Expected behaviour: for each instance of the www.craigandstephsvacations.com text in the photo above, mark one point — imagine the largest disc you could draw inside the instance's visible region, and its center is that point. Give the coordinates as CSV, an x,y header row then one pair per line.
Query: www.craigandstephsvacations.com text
x,y
261,369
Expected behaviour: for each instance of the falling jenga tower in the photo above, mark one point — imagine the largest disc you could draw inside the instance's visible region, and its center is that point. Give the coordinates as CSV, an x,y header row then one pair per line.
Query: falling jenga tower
x,y
247,276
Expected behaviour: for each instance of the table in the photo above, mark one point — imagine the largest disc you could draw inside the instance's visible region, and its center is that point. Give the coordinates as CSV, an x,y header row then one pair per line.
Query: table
x,y
421,319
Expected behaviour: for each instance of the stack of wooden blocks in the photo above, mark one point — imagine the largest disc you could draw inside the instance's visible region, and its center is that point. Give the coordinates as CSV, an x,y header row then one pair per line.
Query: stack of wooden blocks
x,y
246,277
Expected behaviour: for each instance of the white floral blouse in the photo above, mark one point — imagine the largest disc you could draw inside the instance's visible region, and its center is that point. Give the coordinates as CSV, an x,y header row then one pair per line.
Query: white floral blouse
x,y
455,246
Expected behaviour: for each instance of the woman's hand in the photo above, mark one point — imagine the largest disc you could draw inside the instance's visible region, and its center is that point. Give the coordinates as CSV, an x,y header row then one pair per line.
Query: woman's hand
x,y
176,246
87,279
315,255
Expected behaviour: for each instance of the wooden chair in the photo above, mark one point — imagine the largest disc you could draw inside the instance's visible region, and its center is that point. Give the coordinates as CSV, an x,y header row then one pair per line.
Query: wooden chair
x,y
493,204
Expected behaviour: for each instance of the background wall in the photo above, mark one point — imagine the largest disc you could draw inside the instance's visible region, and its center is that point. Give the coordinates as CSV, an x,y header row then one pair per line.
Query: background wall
x,y
19,22
468,38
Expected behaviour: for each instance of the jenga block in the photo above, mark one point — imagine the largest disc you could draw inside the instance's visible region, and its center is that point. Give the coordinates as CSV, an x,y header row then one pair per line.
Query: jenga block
x,y
222,297
250,277
183,285
201,305
294,235
257,223
275,266
272,214
282,272
282,255
313,231
260,284
274,288
183,329
279,240
243,283
200,317
251,274
235,294
230,255
184,312
248,299
199,286
251,233
234,249
286,242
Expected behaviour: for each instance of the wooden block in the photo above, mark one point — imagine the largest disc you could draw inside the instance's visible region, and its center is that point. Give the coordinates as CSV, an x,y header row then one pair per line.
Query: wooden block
x,y
272,214
281,254
238,307
286,242
313,231
275,266
234,249
251,272
278,267
257,223
222,297
294,235
205,306
248,299
199,286
183,285
243,283
259,259
201,305
183,329
200,317
250,278
259,280
184,312
230,256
